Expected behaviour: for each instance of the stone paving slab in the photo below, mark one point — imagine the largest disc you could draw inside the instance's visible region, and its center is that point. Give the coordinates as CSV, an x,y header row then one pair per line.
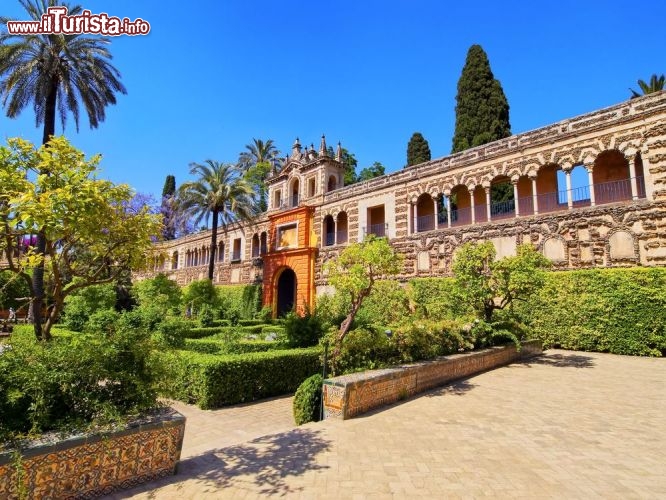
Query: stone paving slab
x,y
565,425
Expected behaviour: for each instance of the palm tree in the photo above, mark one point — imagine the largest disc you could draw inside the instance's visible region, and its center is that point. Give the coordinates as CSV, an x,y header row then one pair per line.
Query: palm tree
x,y
656,84
258,152
221,192
54,73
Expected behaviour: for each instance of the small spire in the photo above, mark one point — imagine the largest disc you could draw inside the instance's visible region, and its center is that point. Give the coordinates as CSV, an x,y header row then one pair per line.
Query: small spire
x,y
296,149
338,152
322,147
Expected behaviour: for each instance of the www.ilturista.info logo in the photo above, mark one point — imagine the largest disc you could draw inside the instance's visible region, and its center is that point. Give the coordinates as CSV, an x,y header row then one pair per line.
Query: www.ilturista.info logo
x,y
56,22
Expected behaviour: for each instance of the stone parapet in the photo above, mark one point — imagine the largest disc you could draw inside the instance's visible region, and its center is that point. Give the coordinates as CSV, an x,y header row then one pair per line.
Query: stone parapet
x,y
350,395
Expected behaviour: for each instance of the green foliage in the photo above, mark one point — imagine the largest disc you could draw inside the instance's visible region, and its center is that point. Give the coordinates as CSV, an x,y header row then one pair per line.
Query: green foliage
x,y
206,316
419,340
239,302
418,150
102,321
171,332
482,110
436,299
218,346
169,188
374,170
200,293
364,349
212,381
656,84
387,304
303,331
621,311
307,400
75,381
12,287
82,304
488,284
160,292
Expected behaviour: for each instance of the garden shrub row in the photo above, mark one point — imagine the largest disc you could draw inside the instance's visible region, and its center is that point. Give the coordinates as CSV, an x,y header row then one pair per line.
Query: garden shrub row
x,y
621,311
231,332
212,381
214,346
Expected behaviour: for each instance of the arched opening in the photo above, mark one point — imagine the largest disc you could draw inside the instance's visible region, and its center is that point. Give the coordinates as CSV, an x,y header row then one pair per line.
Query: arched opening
x,y
502,199
341,235
425,213
547,188
640,175
285,291
220,251
480,208
612,180
460,200
174,261
328,230
255,246
332,183
580,187
263,243
277,199
294,193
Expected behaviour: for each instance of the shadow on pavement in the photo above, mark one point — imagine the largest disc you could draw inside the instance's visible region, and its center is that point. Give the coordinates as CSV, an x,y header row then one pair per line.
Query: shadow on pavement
x,y
457,388
265,462
560,360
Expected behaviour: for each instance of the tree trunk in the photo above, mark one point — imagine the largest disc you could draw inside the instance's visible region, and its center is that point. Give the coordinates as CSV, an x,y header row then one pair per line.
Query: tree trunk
x,y
344,329
38,272
213,246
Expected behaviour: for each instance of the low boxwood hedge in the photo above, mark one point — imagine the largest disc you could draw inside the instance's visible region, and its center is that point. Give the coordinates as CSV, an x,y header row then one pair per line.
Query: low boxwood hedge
x,y
215,346
212,381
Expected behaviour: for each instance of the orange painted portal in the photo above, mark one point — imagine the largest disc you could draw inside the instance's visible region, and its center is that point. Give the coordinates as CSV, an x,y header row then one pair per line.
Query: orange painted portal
x,y
291,250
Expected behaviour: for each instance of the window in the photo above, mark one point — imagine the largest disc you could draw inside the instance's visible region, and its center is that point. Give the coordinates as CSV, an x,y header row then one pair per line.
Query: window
x,y
287,236
311,187
277,201
236,255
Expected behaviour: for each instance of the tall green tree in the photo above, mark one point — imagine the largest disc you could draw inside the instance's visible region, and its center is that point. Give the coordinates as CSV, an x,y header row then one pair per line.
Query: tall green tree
x,y
54,73
93,232
418,150
482,110
169,208
169,188
374,170
258,160
350,162
655,85
220,192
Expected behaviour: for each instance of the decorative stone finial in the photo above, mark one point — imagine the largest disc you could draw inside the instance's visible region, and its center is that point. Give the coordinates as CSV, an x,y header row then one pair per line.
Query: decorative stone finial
x,y
322,146
338,152
296,149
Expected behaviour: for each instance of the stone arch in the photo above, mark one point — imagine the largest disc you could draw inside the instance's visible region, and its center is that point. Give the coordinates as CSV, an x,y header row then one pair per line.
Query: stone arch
x,y
547,188
328,231
502,199
425,211
255,246
220,251
611,177
174,260
263,243
285,288
342,223
294,191
460,200
332,183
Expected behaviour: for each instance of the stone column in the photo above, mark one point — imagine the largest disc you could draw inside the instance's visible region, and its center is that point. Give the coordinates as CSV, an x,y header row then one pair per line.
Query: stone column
x,y
471,203
487,190
415,227
590,180
448,209
567,173
514,182
335,232
535,196
632,177
434,202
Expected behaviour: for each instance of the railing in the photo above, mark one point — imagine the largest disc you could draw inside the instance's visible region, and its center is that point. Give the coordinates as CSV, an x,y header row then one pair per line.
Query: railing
x,y
294,200
341,237
376,229
425,223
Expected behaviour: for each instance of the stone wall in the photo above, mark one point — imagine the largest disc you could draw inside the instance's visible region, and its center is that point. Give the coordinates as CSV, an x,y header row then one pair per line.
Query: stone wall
x,y
350,395
91,466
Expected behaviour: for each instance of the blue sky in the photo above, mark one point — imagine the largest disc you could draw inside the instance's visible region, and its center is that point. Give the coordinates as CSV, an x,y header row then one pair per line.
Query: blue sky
x,y
212,75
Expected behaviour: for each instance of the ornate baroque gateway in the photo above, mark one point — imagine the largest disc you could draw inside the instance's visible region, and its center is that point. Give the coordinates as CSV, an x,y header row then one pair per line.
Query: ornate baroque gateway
x,y
587,192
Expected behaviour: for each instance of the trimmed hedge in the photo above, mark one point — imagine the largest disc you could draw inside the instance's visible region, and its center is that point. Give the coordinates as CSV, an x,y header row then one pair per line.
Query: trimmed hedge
x,y
307,400
621,311
212,381
239,302
214,346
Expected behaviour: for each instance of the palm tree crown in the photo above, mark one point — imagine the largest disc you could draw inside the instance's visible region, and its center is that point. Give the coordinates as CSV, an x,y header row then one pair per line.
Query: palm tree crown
x,y
56,72
258,152
656,84
220,192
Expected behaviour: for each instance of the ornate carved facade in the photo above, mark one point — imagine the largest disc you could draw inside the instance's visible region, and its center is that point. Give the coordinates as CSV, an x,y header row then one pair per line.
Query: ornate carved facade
x,y
588,192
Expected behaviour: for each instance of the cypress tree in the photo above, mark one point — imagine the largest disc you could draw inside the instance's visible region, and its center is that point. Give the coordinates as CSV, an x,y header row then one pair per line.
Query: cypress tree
x,y
482,111
169,188
418,150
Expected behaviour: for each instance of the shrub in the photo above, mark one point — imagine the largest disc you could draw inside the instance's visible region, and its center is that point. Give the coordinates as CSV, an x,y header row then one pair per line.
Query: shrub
x,y
199,294
435,299
212,381
303,331
102,321
81,305
364,349
215,346
238,302
172,332
621,311
159,292
205,316
75,381
307,400
387,304
423,339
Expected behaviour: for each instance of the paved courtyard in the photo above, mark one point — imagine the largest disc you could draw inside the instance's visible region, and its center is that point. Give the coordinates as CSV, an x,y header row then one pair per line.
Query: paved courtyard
x,y
565,425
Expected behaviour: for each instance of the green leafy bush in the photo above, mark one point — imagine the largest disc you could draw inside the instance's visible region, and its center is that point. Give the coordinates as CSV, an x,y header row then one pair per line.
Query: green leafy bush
x,y
206,316
81,305
12,287
239,302
172,332
214,346
365,349
212,381
621,311
159,292
303,331
425,339
102,321
387,304
75,381
307,400
435,299
199,294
